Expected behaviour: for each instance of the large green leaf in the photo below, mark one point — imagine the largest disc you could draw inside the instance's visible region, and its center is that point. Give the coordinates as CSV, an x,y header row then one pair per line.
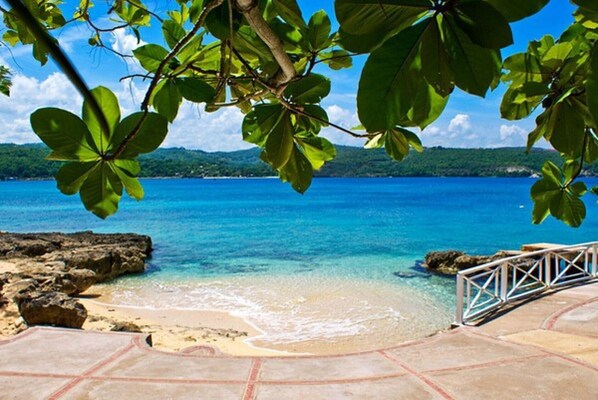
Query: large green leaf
x,y
70,177
318,31
173,32
591,5
167,99
150,56
336,59
515,10
484,25
65,133
279,143
396,144
151,134
298,171
99,192
127,171
358,17
317,150
474,67
435,62
389,81
109,105
258,124
195,90
568,129
309,90
592,86
289,11
568,208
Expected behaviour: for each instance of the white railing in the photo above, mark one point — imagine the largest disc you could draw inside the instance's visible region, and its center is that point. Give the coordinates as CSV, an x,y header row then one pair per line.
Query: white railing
x,y
483,289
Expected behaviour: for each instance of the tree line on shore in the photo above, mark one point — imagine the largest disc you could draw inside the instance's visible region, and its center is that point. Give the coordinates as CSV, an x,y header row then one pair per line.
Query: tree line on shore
x,y
28,162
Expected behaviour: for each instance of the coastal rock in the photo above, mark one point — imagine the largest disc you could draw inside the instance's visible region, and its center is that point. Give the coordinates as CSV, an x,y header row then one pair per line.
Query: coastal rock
x,y
450,262
125,327
51,308
39,271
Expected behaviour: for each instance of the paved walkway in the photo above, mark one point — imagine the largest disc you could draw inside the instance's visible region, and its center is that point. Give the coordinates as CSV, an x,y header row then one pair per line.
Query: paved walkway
x,y
545,349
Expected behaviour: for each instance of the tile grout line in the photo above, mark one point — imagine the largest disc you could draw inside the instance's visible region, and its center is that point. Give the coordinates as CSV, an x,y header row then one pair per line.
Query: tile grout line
x,y
552,320
68,386
429,382
539,348
249,393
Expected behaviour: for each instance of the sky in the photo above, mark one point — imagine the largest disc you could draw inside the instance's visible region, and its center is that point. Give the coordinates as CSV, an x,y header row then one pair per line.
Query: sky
x,y
467,121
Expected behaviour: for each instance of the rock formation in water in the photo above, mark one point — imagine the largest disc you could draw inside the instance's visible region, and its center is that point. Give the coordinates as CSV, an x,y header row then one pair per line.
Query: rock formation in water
x,y
450,262
40,272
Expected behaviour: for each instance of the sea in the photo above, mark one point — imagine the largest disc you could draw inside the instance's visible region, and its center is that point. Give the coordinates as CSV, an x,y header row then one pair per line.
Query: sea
x,y
341,261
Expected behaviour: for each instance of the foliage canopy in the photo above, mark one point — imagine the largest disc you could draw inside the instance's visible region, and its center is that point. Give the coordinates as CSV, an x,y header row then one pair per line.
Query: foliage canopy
x,y
260,56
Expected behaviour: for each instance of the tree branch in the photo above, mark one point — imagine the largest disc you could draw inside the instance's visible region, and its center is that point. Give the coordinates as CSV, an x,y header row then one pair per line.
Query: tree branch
x,y
254,17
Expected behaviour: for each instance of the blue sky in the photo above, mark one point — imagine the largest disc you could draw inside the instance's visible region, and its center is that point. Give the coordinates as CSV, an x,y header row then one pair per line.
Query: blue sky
x,y
468,121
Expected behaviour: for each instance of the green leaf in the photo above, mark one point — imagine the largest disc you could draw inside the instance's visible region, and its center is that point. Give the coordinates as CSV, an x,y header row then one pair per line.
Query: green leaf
x,y
568,208
389,81
150,56
474,67
552,174
151,134
173,32
109,106
358,17
568,129
588,4
258,124
308,90
195,90
317,150
542,193
298,171
435,62
167,99
336,59
592,86
279,143
318,31
123,169
484,25
71,176
578,189
516,10
396,144
99,192
65,133
289,11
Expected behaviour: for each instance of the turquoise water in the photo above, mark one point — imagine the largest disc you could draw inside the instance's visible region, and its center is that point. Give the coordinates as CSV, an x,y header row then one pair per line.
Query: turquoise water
x,y
363,230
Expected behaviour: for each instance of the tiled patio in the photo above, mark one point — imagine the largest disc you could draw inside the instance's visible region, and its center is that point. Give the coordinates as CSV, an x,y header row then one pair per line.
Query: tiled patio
x,y
545,349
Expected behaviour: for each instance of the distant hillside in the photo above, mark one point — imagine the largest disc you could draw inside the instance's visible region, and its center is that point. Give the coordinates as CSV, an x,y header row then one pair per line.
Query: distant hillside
x,y
28,162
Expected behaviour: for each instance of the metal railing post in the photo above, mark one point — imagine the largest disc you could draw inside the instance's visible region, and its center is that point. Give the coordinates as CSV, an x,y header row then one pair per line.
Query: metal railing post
x,y
595,259
460,286
504,281
547,271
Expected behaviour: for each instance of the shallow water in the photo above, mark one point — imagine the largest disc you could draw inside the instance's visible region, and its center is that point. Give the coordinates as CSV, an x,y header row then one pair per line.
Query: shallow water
x,y
337,262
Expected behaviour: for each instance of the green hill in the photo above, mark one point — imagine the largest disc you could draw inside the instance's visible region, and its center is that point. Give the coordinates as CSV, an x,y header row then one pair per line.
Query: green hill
x,y
28,162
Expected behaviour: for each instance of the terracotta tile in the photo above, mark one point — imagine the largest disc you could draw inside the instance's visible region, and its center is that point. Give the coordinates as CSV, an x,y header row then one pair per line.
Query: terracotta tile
x,y
547,379
331,368
98,390
142,363
389,389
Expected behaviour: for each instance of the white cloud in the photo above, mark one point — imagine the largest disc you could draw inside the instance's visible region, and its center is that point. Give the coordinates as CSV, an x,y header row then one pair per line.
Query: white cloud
x,y
510,132
28,94
124,43
345,118
461,123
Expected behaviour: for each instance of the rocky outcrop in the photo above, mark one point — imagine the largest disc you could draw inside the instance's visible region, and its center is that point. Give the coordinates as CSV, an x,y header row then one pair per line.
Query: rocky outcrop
x,y
50,308
450,262
40,271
